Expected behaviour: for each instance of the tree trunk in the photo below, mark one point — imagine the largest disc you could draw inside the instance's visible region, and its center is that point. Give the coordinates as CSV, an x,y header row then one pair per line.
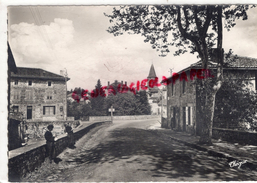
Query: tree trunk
x,y
209,88
207,113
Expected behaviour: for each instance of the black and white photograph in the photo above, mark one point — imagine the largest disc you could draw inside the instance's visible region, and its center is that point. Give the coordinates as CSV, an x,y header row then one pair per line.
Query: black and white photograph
x,y
131,93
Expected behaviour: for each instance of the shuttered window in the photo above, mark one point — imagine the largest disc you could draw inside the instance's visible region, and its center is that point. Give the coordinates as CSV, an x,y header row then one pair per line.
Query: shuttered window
x,y
189,115
49,110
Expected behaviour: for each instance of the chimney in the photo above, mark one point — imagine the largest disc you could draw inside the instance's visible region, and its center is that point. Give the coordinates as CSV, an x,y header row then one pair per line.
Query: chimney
x,y
121,82
61,72
108,83
126,83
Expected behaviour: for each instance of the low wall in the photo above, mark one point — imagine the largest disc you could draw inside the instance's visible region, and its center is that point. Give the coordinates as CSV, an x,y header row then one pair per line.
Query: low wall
x,y
235,136
135,117
25,159
36,130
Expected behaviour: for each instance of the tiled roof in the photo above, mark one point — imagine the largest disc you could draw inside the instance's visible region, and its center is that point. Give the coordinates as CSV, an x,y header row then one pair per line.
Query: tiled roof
x,y
152,73
24,72
233,62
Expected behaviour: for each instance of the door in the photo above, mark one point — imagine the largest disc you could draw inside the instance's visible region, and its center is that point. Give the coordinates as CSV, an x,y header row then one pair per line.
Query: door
x,y
29,112
174,117
184,119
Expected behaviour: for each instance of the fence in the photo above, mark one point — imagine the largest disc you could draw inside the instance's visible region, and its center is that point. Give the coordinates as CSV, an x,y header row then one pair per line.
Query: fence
x,y
108,118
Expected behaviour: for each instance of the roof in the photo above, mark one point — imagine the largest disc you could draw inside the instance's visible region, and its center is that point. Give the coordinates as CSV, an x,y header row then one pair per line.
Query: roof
x,y
36,73
234,62
152,73
11,62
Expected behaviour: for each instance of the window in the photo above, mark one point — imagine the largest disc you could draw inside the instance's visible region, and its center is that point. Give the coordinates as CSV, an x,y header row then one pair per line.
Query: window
x,y
49,110
30,83
29,95
16,82
16,95
49,83
49,95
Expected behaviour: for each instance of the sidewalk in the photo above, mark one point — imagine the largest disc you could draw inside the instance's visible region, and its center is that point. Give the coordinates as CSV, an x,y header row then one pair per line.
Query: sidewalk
x,y
233,152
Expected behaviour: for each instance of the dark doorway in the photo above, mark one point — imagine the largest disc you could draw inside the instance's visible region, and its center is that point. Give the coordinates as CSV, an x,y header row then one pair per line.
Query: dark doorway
x,y
174,117
184,118
29,112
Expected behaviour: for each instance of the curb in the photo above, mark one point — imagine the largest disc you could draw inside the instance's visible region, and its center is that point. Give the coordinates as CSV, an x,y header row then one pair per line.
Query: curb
x,y
214,153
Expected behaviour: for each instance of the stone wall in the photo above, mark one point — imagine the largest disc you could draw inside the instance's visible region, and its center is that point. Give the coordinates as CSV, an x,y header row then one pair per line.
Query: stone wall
x,y
176,100
36,96
108,118
36,130
235,136
25,159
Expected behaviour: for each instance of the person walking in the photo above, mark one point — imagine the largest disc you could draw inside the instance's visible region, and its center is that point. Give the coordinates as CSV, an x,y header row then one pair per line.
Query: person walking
x,y
69,131
50,143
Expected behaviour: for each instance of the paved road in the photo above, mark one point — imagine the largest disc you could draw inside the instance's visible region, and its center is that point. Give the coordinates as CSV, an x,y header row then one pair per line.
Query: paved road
x,y
132,151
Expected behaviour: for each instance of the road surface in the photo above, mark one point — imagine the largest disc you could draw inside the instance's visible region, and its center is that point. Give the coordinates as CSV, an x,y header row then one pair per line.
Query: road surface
x,y
132,151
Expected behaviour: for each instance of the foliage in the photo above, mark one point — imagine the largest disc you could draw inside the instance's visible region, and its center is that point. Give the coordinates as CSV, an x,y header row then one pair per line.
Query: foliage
x,y
144,105
236,105
185,27
97,99
126,104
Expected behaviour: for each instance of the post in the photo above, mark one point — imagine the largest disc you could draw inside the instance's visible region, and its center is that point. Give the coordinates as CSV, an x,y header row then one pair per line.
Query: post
x,y
162,104
112,114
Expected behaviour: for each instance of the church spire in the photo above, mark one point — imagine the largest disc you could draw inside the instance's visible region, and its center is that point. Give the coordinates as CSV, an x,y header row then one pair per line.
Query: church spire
x,y
152,73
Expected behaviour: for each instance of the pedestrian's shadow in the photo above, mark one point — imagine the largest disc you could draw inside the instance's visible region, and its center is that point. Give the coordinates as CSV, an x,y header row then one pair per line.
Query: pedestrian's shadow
x,y
57,160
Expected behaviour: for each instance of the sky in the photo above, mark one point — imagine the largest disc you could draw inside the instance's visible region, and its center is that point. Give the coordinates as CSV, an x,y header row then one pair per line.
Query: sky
x,y
75,38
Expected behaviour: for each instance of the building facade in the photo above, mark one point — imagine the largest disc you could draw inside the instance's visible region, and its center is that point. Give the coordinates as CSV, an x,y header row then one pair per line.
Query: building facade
x,y
153,93
183,97
38,95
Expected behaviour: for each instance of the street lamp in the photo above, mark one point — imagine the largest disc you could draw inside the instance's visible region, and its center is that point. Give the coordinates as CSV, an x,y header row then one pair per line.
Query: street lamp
x,y
65,74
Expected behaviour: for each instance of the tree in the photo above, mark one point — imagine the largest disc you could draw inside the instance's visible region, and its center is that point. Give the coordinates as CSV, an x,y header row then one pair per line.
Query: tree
x,y
123,103
97,99
187,28
145,107
236,105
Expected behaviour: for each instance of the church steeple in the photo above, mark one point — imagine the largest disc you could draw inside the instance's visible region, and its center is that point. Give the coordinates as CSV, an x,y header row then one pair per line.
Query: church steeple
x,y
152,73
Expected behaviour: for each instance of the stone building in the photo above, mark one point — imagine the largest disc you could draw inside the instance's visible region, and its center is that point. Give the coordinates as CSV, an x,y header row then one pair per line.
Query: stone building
x,y
153,93
183,102
38,95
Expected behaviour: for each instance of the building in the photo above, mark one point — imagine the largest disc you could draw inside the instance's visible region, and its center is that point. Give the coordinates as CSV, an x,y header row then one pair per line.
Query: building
x,y
15,125
153,93
163,102
38,95
183,97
